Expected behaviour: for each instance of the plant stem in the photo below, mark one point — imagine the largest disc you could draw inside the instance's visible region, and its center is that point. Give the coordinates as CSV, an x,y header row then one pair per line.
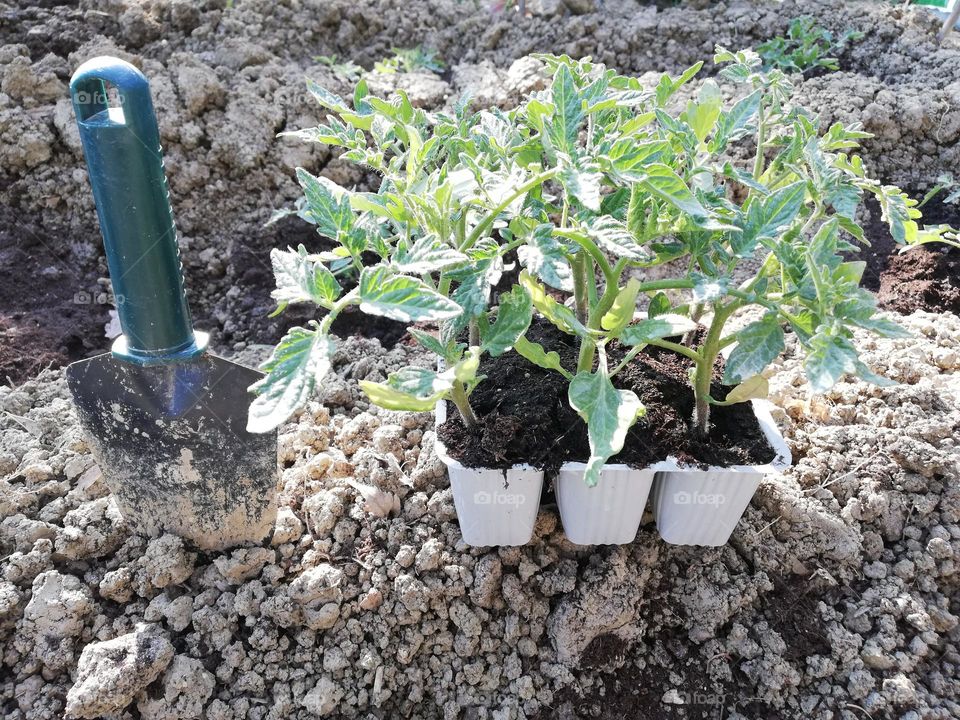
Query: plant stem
x,y
761,139
704,372
580,291
474,332
459,397
351,298
484,225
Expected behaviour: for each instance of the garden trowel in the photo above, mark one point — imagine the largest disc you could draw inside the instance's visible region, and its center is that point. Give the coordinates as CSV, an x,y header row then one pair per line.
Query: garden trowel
x,y
165,419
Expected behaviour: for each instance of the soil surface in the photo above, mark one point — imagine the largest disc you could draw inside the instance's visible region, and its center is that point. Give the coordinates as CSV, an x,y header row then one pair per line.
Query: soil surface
x,y
925,277
227,77
52,309
525,417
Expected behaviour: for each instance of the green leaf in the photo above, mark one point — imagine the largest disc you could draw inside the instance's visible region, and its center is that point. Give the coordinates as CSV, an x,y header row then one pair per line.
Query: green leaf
x,y
659,305
332,215
708,289
609,414
781,208
754,388
411,389
702,115
581,184
300,279
426,254
662,181
656,328
560,315
402,298
624,306
830,356
299,361
535,353
429,342
545,257
735,124
614,237
513,318
758,344
327,99
568,113
476,280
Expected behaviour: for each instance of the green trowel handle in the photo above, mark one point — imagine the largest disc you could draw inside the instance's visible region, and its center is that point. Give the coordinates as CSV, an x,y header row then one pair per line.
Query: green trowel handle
x,y
122,148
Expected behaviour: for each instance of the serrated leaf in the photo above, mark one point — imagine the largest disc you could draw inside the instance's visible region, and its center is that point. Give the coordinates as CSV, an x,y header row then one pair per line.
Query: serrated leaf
x,y
535,353
829,357
300,279
581,184
754,388
659,305
513,318
609,414
327,99
402,298
476,280
543,256
568,113
428,342
662,181
613,236
426,254
758,344
733,124
702,115
656,328
624,306
331,215
299,361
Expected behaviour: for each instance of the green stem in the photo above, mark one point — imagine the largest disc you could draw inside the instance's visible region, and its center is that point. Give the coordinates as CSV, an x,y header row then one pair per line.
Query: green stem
x,y
459,397
761,139
484,225
580,288
677,348
474,332
704,372
351,298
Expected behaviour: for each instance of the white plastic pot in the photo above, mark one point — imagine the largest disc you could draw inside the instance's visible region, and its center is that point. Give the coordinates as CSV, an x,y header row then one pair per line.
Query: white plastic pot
x,y
608,513
494,507
694,506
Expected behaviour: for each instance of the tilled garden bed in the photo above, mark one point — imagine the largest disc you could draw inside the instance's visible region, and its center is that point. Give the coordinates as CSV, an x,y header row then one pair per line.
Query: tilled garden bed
x,y
837,595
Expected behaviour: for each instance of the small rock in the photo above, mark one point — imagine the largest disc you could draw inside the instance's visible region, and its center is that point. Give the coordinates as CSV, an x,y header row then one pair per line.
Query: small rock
x,y
185,688
111,673
323,699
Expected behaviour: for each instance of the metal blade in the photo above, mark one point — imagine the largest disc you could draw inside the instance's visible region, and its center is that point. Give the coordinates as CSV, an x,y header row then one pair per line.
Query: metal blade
x,y
172,443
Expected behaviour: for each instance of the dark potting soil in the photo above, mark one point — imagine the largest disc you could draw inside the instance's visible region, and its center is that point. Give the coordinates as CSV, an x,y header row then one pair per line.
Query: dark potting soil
x,y
52,311
249,269
525,417
922,278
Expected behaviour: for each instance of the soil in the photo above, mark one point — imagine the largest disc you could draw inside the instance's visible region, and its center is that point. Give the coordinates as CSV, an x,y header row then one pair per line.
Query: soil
x,y
52,310
922,278
524,415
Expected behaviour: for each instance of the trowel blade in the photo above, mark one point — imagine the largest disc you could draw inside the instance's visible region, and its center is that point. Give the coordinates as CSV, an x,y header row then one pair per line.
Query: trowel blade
x,y
172,443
